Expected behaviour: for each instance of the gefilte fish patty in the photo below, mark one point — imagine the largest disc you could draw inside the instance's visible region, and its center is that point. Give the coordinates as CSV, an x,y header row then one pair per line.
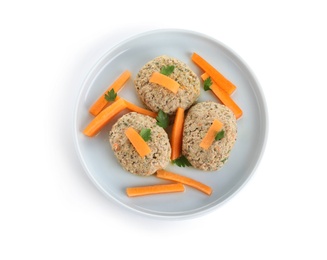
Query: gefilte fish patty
x,y
125,152
156,97
197,122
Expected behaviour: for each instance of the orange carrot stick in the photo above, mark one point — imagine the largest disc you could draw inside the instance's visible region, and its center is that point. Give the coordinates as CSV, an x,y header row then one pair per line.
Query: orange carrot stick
x,y
137,141
164,81
154,189
116,86
211,134
140,110
224,97
163,174
104,117
215,75
177,134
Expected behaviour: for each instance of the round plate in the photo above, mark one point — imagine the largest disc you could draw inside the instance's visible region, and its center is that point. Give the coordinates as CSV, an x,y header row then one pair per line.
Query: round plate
x,y
99,161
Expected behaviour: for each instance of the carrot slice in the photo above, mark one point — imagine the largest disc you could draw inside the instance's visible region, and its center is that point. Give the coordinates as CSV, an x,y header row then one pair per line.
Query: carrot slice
x,y
164,81
211,134
215,75
104,117
177,134
137,141
154,189
163,174
140,110
116,86
224,97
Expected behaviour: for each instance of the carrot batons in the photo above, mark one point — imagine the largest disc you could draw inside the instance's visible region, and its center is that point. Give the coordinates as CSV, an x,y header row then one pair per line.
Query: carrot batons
x,y
224,97
163,174
177,134
116,86
104,117
164,81
154,189
215,75
140,110
137,141
211,134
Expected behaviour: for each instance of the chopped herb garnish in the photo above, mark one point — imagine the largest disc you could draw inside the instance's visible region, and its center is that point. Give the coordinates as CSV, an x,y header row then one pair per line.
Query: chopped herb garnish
x,y
181,161
207,84
145,134
224,160
111,95
162,119
220,135
167,70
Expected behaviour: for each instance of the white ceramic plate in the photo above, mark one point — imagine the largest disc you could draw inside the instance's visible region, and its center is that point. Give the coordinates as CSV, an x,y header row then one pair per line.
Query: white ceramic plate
x,y
99,161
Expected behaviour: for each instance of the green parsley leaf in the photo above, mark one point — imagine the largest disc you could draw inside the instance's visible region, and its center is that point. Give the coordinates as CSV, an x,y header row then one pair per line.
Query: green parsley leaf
x,y
145,134
224,160
207,83
220,135
162,119
181,161
167,70
110,95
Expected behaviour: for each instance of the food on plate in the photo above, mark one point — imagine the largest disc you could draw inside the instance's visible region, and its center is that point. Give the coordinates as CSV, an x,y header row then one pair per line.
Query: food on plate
x,y
210,137
100,121
137,140
197,123
202,134
134,108
215,75
127,155
102,101
164,81
222,95
157,97
163,174
154,189
110,111
177,134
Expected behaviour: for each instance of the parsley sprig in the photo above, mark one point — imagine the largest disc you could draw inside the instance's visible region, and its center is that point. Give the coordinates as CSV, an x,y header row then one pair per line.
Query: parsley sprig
x,y
181,161
167,70
162,119
145,133
220,135
110,95
207,84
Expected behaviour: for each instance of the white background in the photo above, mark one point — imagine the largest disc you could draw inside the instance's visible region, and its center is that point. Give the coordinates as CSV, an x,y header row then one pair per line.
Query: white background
x,y
49,209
